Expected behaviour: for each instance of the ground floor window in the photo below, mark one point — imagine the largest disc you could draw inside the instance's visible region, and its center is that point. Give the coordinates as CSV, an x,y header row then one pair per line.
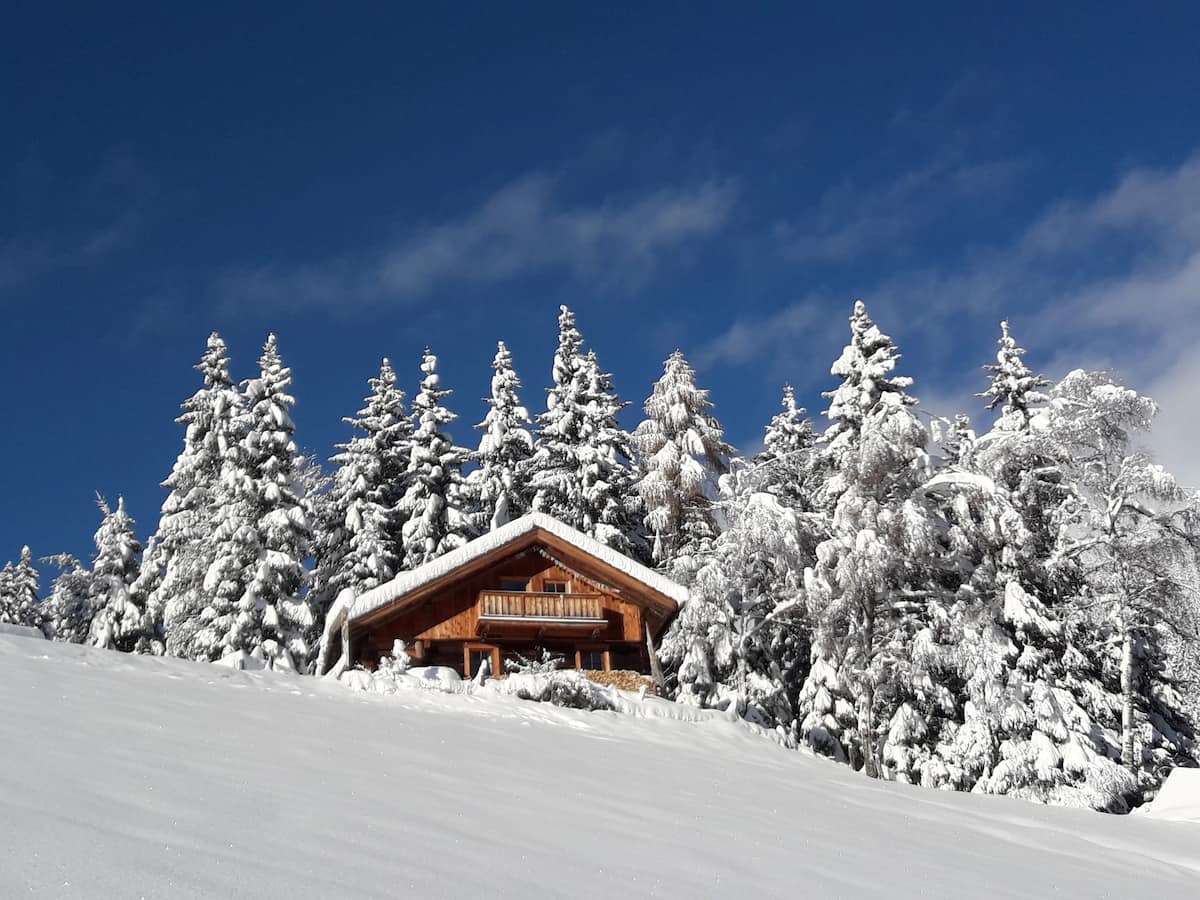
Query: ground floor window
x,y
592,659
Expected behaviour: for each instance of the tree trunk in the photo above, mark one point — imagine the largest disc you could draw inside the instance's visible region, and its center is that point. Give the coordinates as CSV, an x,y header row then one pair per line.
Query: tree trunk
x,y
1127,698
655,669
866,715
866,730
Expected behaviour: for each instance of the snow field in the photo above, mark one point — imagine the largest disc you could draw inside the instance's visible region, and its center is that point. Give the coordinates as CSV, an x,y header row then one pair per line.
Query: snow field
x,y
131,776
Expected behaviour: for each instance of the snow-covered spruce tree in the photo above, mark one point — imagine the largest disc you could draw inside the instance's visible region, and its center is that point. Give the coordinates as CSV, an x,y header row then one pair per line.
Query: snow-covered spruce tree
x,y
505,446
552,473
682,453
180,552
1127,530
280,619
581,471
609,475
358,542
744,635
120,621
789,465
869,591
67,613
1014,387
1022,689
789,432
437,516
227,620
19,588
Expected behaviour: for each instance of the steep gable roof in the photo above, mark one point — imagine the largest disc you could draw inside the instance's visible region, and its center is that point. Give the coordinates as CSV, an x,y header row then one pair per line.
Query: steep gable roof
x,y
513,533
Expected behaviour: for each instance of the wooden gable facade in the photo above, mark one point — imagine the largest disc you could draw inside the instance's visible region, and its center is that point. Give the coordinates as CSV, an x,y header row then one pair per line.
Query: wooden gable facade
x,y
541,589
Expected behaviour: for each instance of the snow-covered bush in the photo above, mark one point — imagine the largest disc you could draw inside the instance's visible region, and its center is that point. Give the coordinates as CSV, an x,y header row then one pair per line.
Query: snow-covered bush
x,y
563,688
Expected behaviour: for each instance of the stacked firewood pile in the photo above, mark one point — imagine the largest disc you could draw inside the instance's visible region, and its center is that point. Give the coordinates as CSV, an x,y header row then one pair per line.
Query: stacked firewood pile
x,y
623,680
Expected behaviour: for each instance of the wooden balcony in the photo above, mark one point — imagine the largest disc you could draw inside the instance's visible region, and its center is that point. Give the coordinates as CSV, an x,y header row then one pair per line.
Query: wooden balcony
x,y
539,613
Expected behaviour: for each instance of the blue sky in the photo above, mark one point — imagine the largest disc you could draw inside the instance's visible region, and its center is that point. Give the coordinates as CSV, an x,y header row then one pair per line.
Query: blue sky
x,y
724,179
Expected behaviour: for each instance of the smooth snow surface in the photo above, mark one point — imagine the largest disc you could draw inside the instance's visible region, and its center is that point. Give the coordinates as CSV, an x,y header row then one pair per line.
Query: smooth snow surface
x,y
127,776
1179,798
25,631
443,565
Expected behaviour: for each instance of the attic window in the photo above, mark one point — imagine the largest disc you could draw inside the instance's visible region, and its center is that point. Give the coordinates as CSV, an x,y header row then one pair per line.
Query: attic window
x,y
513,584
554,587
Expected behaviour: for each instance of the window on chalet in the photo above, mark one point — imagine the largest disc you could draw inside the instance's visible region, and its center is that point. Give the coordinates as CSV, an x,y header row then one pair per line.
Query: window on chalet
x,y
513,584
591,660
554,587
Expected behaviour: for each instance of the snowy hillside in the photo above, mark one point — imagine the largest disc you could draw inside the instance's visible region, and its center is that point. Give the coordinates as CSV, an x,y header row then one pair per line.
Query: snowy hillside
x,y
130,776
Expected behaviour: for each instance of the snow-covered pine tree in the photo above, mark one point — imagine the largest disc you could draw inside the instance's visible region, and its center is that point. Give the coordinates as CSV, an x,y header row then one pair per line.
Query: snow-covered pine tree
x,y
744,635
789,465
358,542
179,554
609,478
19,588
437,517
682,453
553,472
1039,695
789,431
120,621
228,622
1014,387
1125,530
1019,722
281,618
504,448
581,471
67,612
869,592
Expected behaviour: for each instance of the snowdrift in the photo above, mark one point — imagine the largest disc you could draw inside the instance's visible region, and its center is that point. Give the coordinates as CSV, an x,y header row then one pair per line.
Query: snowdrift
x,y
126,776
1179,798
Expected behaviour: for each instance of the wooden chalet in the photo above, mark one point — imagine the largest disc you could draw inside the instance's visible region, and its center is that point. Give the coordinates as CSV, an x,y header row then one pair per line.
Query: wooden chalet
x,y
531,584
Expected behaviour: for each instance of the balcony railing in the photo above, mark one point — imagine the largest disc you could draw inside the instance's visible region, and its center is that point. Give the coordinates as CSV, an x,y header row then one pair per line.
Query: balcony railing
x,y
531,606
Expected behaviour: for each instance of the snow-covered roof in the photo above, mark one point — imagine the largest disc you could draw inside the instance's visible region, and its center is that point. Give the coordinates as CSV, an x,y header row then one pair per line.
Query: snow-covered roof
x,y
406,582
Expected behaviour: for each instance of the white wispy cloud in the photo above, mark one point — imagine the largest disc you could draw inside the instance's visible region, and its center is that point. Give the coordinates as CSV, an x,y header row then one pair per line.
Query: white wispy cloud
x,y
523,228
112,200
1112,280
851,219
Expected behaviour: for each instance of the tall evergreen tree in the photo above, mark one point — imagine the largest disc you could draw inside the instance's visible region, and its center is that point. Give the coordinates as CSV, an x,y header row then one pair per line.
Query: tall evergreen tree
x,y
280,618
19,589
180,553
605,465
682,452
789,431
1014,387
67,613
120,621
358,544
869,589
788,467
553,476
435,506
505,446
1124,530
581,471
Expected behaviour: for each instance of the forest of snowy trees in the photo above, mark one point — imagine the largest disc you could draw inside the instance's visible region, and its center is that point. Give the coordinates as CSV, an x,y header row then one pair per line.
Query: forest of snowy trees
x,y
1006,607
